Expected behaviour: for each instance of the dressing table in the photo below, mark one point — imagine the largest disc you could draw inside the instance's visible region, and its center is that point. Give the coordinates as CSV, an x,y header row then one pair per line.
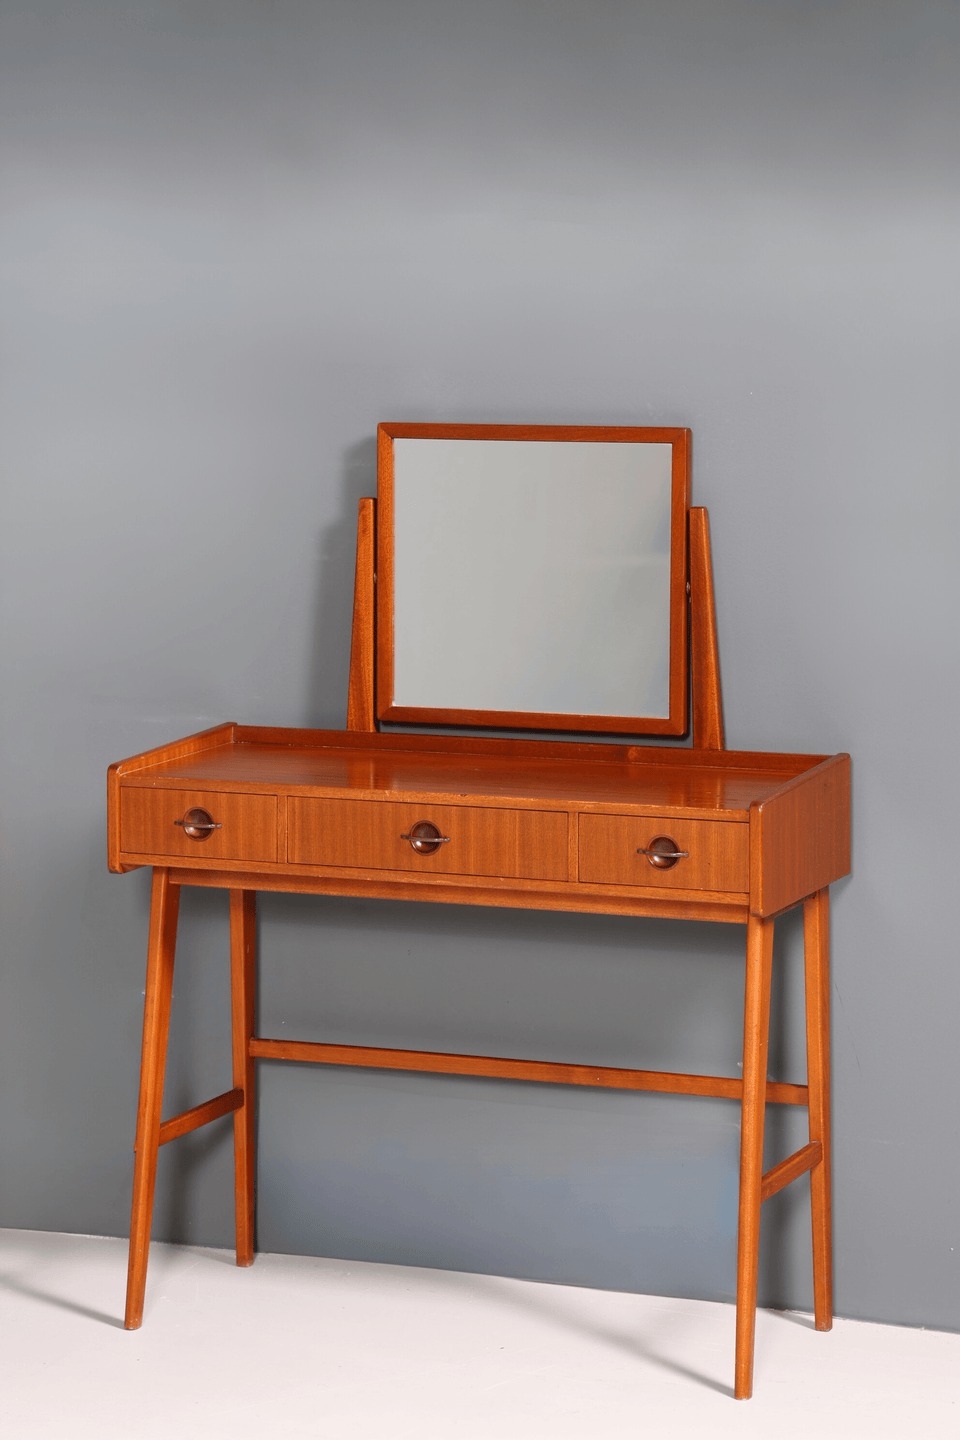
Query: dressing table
x,y
478,569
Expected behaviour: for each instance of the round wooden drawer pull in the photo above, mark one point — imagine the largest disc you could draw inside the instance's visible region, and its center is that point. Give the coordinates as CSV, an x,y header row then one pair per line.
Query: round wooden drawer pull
x,y
198,824
662,852
425,838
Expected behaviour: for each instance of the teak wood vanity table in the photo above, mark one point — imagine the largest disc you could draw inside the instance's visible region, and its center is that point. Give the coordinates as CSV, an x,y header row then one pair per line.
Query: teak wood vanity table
x,y
612,828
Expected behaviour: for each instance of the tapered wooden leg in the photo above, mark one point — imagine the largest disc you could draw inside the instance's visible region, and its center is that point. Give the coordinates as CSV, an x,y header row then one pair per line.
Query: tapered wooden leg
x,y
164,909
816,959
243,969
756,1029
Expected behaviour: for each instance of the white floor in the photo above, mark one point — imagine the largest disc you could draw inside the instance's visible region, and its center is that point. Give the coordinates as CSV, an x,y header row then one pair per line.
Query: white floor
x,y
318,1348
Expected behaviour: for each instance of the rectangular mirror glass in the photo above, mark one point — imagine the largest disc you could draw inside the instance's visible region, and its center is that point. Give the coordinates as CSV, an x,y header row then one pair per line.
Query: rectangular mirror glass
x,y
533,577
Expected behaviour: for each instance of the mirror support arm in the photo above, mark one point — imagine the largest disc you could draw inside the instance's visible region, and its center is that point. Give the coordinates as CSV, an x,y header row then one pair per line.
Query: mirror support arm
x,y
704,652
361,709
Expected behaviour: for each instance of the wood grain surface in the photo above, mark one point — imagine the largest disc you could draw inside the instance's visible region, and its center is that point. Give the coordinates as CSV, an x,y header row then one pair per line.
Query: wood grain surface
x,y
531,844
717,859
248,824
800,837
526,748
412,773
178,750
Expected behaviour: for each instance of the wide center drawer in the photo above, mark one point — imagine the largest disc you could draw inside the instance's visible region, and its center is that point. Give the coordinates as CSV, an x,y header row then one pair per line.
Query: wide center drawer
x,y
368,834
246,825
717,858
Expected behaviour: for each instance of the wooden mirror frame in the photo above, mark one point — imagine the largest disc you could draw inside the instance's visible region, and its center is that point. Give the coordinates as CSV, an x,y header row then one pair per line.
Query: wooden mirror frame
x,y
675,723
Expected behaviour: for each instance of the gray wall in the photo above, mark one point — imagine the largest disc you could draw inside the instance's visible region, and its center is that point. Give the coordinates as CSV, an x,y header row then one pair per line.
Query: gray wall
x,y
237,235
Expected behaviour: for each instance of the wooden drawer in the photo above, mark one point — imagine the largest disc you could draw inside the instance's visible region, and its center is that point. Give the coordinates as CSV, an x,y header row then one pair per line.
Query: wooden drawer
x,y
718,859
248,824
365,834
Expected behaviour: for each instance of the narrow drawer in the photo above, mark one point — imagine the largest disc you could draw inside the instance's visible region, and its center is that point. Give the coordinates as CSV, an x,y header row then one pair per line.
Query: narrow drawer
x,y
247,824
718,855
367,834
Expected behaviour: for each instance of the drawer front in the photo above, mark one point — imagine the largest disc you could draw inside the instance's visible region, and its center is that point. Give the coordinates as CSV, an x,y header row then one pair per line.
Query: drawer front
x,y
366,834
247,824
718,854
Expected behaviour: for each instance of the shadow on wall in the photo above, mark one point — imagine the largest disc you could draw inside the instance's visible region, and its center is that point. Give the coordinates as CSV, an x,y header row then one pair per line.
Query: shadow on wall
x,y
328,665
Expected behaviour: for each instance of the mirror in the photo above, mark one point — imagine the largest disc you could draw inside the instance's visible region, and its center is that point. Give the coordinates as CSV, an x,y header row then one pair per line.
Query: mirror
x,y
533,577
